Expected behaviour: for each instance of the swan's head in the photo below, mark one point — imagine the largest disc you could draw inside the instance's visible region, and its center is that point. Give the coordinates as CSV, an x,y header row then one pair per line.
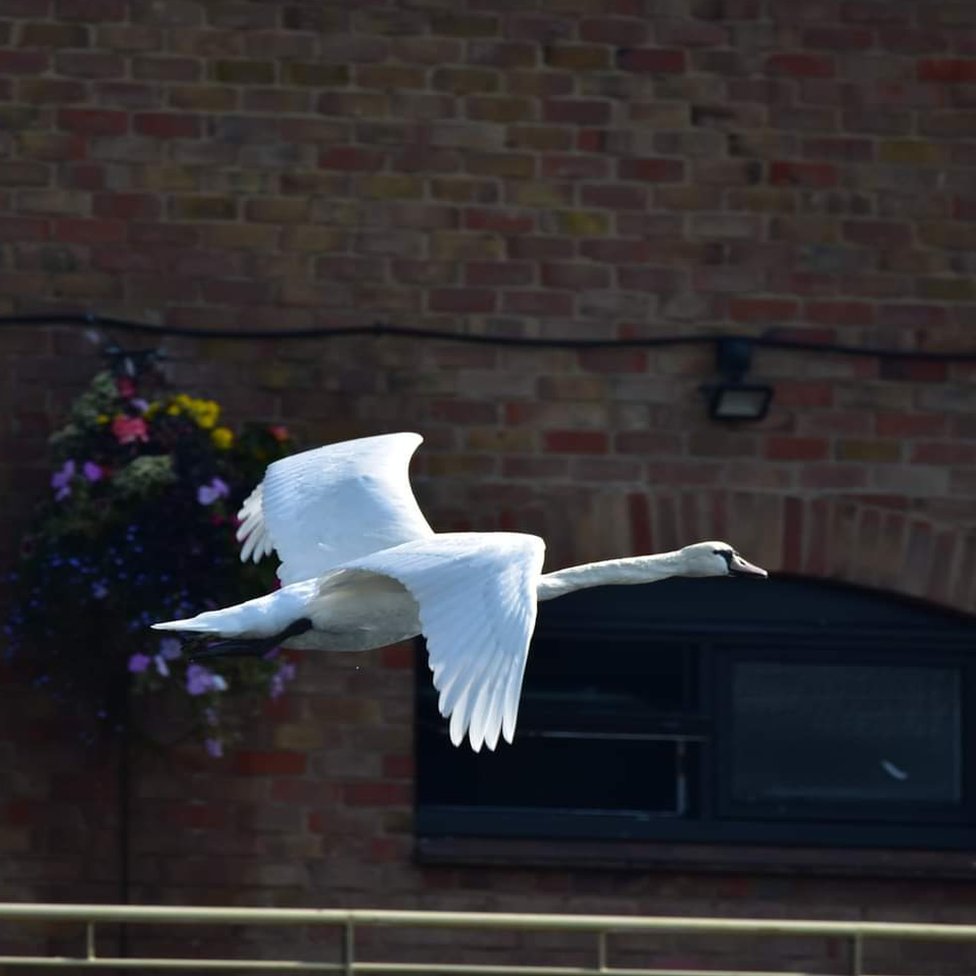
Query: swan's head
x,y
716,559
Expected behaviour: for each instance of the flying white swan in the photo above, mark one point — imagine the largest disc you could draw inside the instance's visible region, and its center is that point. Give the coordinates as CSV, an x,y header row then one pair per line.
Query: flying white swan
x,y
361,568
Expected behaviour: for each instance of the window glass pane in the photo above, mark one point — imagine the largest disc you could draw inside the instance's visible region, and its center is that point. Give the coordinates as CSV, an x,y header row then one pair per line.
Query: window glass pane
x,y
845,733
568,772
617,680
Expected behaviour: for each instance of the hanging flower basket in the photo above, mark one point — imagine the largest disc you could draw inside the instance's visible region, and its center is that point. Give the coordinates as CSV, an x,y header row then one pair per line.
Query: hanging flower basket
x,y
139,527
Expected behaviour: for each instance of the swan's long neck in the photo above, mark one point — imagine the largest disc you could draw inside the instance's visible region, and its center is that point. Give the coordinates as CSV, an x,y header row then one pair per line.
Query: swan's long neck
x,y
635,569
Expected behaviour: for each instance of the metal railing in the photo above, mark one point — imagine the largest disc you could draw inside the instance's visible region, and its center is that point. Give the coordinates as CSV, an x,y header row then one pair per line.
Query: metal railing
x,y
349,922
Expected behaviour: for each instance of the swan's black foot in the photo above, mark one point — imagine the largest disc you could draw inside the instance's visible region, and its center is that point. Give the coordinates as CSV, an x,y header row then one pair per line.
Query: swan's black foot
x,y
200,649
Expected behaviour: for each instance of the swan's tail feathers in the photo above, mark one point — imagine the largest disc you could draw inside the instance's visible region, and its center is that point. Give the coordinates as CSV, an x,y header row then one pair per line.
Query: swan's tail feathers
x,y
188,626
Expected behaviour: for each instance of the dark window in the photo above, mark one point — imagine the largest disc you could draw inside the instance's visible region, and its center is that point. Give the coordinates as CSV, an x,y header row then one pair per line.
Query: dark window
x,y
723,711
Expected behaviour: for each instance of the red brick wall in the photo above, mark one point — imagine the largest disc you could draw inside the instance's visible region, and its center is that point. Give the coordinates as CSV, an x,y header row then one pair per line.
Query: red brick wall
x,y
588,168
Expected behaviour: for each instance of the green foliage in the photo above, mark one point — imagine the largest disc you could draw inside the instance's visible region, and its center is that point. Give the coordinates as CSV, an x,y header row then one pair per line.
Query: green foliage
x,y
140,528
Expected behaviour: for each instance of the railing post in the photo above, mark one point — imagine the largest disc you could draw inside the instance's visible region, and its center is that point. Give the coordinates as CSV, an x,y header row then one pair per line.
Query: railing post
x,y
90,941
857,955
601,951
348,948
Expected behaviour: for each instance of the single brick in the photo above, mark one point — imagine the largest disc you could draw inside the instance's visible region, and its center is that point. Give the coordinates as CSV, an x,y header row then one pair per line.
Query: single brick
x,y
877,233
788,448
351,158
80,230
540,138
89,64
391,186
501,221
617,31
865,450
466,81
579,57
54,36
946,70
452,245
537,303
48,91
89,11
577,111
453,24
204,98
576,442
802,174
581,223
839,313
167,125
915,152
244,72
203,207
390,77
463,300
498,109
495,274
656,61
516,166
575,275
762,309
801,65
93,121
277,210
651,170
838,38
314,74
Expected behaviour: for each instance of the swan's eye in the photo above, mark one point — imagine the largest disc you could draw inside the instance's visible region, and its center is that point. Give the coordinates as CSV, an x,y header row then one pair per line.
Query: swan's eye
x,y
726,554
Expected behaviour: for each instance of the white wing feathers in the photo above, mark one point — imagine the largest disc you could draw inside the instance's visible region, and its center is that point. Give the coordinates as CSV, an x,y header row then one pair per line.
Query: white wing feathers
x,y
323,508
476,595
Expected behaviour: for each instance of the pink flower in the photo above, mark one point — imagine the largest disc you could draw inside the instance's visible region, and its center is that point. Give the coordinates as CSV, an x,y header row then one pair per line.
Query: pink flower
x,y
127,430
279,433
125,386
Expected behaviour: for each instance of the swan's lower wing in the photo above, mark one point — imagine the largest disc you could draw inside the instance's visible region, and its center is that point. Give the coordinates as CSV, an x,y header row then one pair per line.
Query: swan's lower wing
x,y
476,595
322,508
252,533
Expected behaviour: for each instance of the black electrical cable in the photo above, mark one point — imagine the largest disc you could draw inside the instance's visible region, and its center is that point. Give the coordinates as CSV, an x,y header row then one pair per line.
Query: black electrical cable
x,y
406,332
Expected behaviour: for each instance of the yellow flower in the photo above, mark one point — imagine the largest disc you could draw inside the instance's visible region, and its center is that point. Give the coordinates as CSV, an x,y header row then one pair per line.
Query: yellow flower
x,y
222,437
102,418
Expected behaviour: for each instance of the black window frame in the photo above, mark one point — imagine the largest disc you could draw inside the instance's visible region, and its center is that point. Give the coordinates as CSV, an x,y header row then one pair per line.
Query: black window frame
x,y
720,644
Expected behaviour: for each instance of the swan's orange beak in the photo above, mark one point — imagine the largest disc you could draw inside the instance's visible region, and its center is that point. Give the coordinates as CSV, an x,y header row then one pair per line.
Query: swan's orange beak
x,y
741,567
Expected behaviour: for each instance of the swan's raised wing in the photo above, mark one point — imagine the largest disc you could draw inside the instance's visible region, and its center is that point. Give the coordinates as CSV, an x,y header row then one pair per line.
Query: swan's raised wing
x,y
476,595
324,507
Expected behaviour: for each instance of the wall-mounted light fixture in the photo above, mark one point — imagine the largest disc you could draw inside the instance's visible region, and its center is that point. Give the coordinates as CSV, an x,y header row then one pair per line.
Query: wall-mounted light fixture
x,y
731,399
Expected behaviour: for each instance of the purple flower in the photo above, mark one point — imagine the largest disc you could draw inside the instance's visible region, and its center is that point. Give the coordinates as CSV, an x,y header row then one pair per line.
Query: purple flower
x,y
199,680
99,590
284,673
61,480
139,662
93,472
214,747
161,666
169,648
209,493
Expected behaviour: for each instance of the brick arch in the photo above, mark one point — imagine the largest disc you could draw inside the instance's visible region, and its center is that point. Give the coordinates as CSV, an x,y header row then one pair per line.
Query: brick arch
x,y
916,547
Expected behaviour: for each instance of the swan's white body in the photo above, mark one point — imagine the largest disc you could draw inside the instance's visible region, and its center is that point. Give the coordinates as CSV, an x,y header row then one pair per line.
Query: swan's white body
x,y
361,564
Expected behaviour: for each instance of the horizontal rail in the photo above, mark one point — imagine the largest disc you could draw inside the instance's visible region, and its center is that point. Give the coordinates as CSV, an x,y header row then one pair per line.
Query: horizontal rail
x,y
202,915
349,921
